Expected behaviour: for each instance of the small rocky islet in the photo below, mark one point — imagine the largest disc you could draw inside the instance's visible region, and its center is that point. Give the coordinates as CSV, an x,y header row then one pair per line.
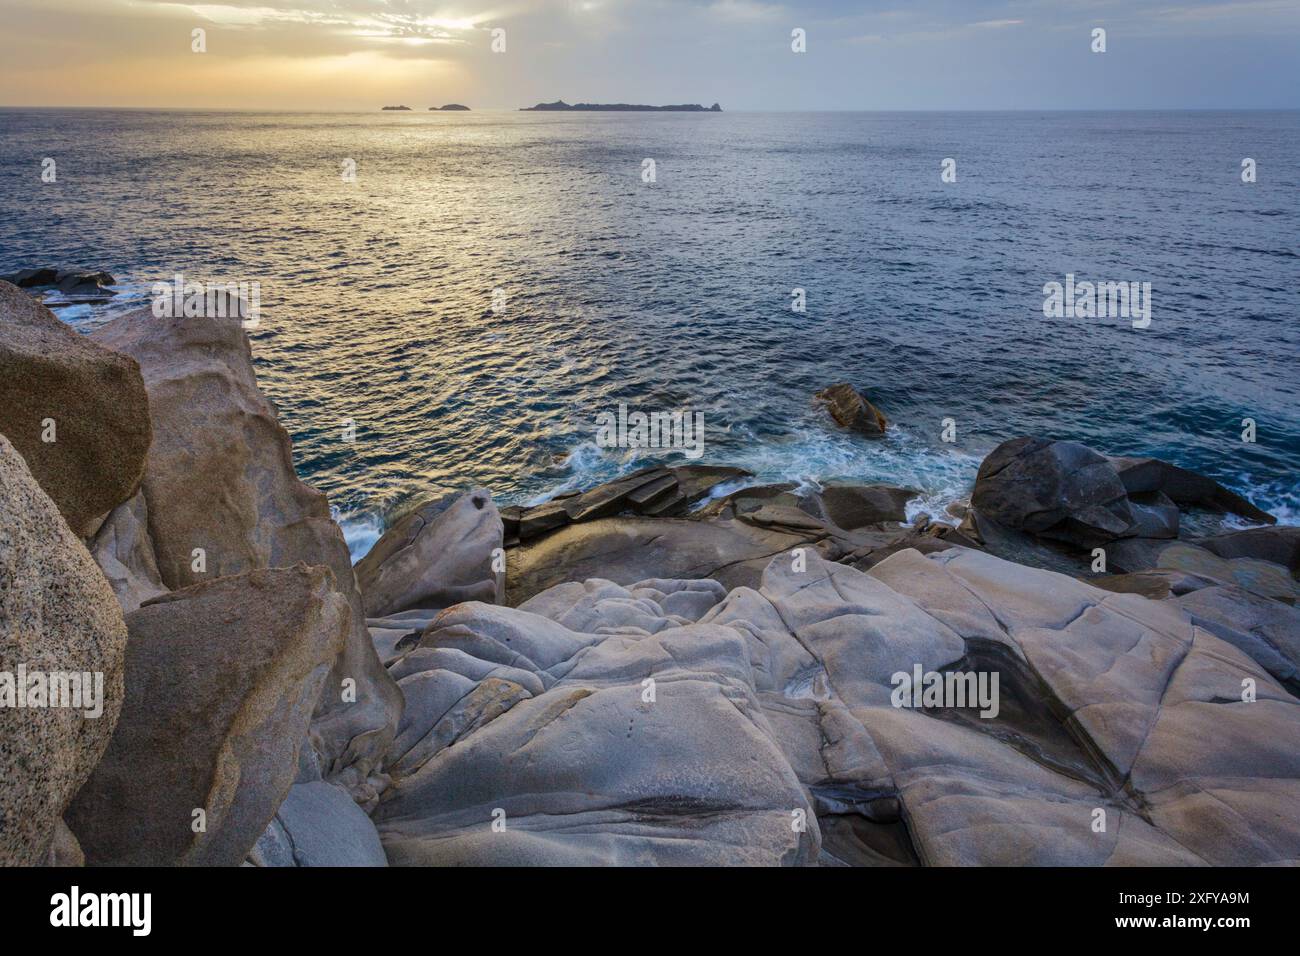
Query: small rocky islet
x,y
675,667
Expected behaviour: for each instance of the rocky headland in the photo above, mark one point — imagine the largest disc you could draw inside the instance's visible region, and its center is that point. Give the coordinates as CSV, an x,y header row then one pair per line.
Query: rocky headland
x,y
677,667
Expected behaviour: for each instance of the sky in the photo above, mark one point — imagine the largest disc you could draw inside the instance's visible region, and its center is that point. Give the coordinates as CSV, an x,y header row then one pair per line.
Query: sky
x,y
865,55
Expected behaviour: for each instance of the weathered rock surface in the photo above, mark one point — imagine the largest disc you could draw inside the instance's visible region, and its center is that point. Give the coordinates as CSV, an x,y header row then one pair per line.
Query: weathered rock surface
x,y
220,478
93,397
851,409
1268,631
440,554
221,682
57,614
768,704
124,552
319,824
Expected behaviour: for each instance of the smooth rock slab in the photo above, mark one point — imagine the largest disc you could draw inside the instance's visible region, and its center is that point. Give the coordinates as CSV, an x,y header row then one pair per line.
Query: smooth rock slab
x,y
694,735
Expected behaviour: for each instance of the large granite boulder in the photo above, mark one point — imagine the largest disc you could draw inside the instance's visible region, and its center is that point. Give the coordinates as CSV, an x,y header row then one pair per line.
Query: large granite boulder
x,y
57,615
440,554
663,722
1054,489
220,478
222,679
59,385
851,409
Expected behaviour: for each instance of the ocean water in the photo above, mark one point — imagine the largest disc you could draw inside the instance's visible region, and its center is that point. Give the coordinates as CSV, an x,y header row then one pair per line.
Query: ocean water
x,y
377,295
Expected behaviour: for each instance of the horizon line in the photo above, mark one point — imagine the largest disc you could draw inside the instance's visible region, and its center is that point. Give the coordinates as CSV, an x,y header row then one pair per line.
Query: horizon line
x,y
521,109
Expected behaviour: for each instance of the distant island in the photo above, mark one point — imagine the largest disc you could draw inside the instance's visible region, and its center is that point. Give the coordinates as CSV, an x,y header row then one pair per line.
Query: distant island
x,y
407,108
561,106
451,106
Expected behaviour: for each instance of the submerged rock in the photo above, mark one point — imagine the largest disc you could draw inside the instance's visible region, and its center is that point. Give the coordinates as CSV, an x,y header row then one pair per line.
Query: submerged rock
x,y
57,615
76,412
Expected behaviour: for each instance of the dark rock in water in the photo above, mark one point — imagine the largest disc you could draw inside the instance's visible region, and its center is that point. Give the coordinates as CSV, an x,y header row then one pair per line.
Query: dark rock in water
x,y
851,409
1054,489
77,412
855,506
1184,487
1280,545
453,107
79,284
652,492
30,278
76,283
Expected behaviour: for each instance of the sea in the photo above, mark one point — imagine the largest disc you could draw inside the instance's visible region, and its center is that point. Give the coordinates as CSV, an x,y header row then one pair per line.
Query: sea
x,y
451,300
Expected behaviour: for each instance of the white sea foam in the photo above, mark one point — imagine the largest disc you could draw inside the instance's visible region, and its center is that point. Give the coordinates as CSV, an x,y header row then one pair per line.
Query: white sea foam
x,y
808,460
361,529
